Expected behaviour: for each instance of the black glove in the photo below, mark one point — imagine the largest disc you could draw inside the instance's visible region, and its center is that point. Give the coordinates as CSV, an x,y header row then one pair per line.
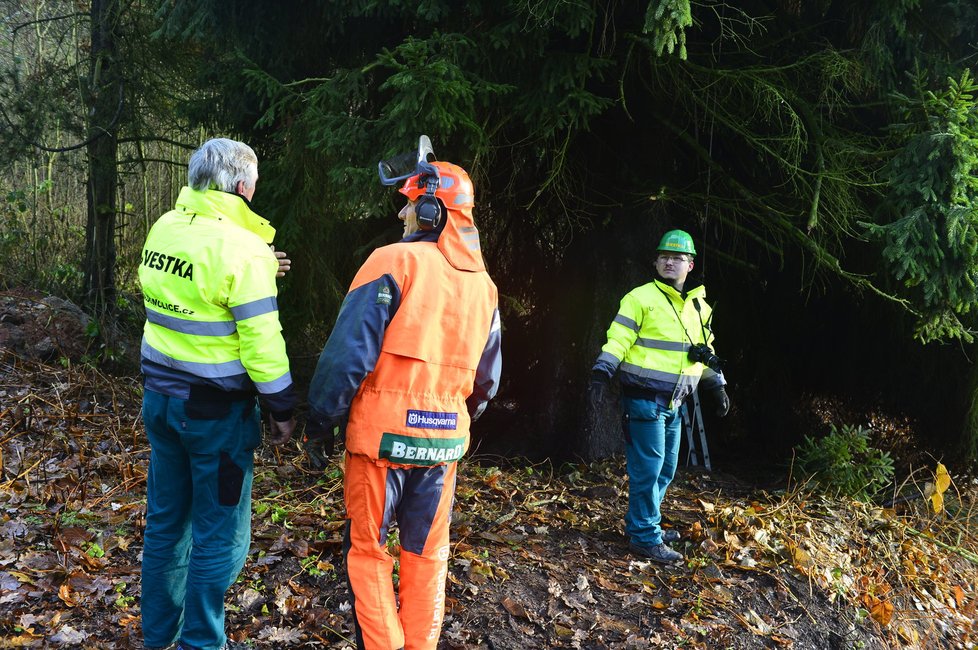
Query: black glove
x,y
318,441
721,400
476,413
596,392
279,431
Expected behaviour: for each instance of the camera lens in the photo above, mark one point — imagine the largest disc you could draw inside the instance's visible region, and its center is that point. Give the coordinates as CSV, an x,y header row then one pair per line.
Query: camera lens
x,y
701,353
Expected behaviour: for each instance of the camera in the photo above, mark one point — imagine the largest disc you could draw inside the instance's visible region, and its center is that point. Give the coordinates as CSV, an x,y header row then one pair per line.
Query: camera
x,y
703,354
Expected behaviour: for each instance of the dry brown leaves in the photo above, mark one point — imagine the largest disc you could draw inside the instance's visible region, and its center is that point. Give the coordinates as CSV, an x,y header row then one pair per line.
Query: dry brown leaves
x,y
539,558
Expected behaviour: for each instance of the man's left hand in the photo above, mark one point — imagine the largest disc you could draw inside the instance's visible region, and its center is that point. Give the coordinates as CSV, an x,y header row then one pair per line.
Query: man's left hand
x,y
280,432
596,392
284,263
721,399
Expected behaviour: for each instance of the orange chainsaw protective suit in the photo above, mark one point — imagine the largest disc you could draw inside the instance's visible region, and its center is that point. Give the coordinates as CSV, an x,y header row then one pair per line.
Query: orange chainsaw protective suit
x,y
413,358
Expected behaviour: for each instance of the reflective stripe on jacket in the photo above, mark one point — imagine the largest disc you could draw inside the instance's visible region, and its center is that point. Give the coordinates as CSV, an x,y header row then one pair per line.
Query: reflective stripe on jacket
x,y
208,280
649,341
414,354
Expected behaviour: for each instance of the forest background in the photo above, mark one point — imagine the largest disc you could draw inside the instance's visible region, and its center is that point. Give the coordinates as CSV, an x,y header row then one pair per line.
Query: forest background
x,y
823,155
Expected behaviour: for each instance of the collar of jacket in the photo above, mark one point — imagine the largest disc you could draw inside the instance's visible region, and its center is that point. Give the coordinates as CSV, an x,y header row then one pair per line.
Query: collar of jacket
x,y
224,205
696,291
423,235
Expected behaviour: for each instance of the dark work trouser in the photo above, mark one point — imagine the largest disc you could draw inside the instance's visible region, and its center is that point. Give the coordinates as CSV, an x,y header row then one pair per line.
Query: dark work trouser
x,y
420,500
198,515
651,455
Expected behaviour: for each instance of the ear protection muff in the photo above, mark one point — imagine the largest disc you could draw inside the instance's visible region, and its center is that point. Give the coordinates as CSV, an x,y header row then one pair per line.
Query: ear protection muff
x,y
428,208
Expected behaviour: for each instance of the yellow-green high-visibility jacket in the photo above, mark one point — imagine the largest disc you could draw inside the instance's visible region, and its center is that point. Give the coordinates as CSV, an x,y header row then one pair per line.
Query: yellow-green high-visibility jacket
x,y
208,280
649,341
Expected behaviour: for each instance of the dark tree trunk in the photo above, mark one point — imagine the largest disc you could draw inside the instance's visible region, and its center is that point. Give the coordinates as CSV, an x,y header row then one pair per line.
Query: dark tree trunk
x,y
969,433
583,291
620,256
106,92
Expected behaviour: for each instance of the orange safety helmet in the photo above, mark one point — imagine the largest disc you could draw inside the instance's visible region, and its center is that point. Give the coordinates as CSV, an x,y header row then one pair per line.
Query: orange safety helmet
x,y
454,186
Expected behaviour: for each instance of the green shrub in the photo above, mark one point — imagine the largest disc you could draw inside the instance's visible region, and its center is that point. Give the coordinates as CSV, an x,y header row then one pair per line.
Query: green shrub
x,y
39,244
844,464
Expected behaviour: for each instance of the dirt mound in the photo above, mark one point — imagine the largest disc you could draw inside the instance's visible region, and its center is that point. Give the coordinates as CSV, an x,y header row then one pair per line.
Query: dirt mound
x,y
43,328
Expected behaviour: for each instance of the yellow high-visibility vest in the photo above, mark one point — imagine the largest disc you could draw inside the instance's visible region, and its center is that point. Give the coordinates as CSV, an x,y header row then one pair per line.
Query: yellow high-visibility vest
x,y
208,280
650,337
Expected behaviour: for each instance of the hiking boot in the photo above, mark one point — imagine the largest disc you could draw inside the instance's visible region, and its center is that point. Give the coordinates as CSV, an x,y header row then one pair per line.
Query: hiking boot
x,y
671,535
657,552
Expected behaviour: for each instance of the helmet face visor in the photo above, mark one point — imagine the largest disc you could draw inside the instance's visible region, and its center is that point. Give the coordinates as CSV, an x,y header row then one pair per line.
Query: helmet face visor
x,y
405,165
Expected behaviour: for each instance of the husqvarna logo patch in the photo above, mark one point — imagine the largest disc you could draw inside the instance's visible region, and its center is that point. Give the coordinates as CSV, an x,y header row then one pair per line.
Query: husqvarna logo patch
x,y
384,295
432,420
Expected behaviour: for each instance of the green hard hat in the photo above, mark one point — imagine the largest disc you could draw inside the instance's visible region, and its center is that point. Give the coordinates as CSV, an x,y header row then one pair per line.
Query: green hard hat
x,y
677,241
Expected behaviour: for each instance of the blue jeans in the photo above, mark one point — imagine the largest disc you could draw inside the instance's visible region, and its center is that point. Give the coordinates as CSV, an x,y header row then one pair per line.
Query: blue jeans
x,y
651,455
198,515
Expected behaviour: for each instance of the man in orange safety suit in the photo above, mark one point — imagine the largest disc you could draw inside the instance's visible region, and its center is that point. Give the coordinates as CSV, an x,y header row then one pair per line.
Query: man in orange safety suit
x,y
414,357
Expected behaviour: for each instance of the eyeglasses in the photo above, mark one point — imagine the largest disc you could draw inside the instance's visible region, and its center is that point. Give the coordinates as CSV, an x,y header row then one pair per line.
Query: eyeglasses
x,y
676,259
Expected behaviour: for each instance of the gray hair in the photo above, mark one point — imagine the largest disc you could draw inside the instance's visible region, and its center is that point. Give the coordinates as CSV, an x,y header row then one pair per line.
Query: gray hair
x,y
220,163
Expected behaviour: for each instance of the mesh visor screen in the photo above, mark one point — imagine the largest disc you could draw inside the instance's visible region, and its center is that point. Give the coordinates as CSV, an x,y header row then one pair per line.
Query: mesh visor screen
x,y
405,165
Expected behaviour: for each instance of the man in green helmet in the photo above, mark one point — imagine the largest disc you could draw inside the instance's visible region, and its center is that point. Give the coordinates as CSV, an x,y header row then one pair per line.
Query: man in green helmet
x,y
660,344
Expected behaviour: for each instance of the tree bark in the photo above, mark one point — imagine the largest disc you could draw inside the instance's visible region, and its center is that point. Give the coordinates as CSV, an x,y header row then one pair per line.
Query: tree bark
x,y
106,105
597,270
622,257
969,433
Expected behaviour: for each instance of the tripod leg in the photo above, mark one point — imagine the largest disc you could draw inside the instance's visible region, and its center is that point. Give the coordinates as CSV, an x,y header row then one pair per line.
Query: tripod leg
x,y
698,418
689,423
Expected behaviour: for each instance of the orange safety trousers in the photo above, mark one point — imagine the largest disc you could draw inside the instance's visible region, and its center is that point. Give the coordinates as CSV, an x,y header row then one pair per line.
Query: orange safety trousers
x,y
420,500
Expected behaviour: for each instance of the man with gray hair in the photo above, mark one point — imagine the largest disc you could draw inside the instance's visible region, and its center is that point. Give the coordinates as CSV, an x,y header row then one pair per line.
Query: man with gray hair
x,y
211,343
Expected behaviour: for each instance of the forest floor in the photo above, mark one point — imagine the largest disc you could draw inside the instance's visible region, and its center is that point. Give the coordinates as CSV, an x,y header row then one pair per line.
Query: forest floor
x,y
539,560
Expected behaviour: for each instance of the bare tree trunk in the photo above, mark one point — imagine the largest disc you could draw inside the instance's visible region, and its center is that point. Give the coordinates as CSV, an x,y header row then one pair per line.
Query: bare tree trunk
x,y
619,258
106,90
969,433
598,268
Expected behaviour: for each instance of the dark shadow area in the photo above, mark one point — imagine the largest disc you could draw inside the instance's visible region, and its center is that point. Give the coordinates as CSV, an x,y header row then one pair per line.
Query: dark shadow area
x,y
797,362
